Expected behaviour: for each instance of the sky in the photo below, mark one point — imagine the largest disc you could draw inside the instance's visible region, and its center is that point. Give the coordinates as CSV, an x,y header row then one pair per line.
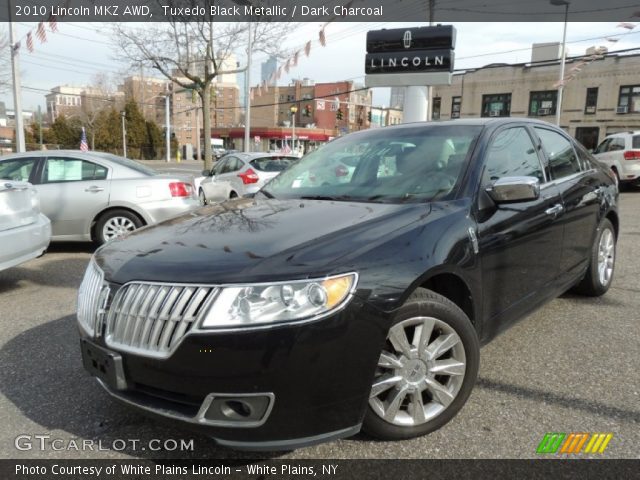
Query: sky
x,y
78,51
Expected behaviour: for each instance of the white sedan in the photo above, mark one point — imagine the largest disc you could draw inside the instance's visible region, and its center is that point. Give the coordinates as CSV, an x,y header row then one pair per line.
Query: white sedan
x,y
24,231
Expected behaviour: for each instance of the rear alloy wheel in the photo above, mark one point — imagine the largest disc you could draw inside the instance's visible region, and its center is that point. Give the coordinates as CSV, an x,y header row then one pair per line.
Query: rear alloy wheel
x,y
115,224
599,274
202,197
426,369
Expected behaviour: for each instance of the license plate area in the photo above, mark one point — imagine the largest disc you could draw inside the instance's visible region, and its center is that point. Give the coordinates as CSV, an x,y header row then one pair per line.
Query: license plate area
x,y
103,364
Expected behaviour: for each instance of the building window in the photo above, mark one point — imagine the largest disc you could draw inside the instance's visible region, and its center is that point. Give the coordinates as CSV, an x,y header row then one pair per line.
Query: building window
x,y
629,100
592,100
543,103
435,111
456,103
496,105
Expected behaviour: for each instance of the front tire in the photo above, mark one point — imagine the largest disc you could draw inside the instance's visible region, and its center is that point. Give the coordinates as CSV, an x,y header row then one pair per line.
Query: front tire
x,y
114,224
426,369
599,274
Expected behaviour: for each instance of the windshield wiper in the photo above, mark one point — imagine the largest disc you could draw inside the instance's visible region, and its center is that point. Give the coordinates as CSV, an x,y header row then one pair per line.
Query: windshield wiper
x,y
326,197
266,193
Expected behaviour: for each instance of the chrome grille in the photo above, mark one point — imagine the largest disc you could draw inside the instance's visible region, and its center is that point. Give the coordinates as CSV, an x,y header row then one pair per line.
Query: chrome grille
x,y
152,318
89,296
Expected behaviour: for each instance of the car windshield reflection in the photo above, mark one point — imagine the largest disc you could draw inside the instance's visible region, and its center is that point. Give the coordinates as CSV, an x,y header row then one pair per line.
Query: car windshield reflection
x,y
386,166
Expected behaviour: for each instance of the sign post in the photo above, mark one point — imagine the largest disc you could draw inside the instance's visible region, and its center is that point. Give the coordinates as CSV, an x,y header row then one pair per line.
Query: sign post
x,y
413,58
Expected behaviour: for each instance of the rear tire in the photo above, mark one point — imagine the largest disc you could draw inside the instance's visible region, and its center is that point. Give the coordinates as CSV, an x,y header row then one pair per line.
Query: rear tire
x,y
202,197
599,274
114,224
233,195
426,371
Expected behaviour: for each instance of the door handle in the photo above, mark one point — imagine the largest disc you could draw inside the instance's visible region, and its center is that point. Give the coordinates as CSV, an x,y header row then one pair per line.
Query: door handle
x,y
555,210
94,189
11,186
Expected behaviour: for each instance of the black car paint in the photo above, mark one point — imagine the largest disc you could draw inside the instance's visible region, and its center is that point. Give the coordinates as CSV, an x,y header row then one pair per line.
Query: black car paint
x,y
321,372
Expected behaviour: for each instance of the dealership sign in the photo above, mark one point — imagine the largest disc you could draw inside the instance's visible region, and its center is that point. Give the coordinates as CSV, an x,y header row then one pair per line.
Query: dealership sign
x,y
410,56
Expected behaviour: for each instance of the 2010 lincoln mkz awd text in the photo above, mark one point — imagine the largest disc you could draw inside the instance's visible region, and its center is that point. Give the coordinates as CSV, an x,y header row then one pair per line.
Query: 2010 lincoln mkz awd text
x,y
315,309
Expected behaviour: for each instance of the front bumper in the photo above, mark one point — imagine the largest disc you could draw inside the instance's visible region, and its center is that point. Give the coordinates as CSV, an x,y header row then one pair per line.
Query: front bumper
x,y
319,375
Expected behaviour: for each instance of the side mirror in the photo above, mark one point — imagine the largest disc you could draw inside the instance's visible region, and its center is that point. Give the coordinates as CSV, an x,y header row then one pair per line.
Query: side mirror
x,y
206,173
514,189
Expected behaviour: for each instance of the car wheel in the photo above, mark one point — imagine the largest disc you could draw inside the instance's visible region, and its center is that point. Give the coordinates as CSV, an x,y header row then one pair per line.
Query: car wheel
x,y
426,370
233,195
202,197
599,274
114,224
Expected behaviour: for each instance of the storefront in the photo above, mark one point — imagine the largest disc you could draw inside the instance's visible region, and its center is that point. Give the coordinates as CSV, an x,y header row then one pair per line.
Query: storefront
x,y
274,139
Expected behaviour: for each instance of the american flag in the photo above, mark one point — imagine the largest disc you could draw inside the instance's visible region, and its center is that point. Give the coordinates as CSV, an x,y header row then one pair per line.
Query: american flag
x,y
84,147
53,24
41,33
30,42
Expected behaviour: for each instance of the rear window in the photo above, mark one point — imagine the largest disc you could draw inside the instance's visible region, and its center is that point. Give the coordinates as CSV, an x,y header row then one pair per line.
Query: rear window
x,y
125,162
635,141
271,164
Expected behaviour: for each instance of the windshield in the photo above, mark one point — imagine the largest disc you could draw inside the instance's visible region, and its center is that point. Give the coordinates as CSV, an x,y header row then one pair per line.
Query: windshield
x,y
381,165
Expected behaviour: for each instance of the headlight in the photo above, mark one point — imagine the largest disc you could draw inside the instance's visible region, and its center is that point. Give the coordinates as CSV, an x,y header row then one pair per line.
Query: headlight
x,y
248,305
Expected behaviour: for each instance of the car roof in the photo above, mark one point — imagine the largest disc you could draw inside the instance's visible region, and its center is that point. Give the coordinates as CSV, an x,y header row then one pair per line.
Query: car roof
x,y
622,134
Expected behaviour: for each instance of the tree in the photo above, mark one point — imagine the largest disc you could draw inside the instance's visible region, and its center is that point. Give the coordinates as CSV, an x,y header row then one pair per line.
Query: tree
x,y
95,100
108,131
66,132
191,54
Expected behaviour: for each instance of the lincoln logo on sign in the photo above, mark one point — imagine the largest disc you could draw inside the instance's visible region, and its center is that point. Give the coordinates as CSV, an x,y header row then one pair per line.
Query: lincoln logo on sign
x,y
407,39
413,50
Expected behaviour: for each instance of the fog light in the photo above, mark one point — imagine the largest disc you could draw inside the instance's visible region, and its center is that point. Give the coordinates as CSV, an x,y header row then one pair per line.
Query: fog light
x,y
236,409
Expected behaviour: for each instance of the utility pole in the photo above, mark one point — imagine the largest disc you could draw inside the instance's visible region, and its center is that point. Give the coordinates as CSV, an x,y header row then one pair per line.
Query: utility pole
x,y
40,125
17,94
198,152
124,136
167,121
247,95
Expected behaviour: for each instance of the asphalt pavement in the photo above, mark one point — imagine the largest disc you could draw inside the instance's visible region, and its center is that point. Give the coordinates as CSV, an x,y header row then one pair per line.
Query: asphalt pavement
x,y
572,366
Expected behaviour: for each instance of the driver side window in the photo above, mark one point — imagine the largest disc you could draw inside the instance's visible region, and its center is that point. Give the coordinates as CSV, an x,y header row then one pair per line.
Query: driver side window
x,y
512,154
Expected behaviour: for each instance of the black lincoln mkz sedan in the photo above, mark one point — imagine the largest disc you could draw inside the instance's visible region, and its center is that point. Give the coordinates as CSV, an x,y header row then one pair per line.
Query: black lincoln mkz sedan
x,y
334,301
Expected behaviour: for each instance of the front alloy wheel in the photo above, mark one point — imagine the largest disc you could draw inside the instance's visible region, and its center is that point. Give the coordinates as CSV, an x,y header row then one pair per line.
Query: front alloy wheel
x,y
419,373
426,370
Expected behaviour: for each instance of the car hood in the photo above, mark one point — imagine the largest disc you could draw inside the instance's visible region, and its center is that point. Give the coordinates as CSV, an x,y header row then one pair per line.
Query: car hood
x,y
252,240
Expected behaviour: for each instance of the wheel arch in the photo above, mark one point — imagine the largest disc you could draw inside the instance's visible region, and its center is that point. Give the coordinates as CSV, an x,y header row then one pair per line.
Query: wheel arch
x,y
454,287
111,208
612,216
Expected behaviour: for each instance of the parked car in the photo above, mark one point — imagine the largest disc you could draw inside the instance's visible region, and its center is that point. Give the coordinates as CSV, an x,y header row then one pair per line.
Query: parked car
x,y
304,314
98,196
24,231
621,153
240,174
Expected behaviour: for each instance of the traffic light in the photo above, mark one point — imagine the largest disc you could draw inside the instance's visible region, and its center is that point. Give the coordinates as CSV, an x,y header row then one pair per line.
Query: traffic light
x,y
369,116
307,110
339,114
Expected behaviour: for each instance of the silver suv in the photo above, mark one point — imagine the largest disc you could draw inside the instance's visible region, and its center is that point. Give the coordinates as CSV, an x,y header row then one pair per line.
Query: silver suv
x,y
621,153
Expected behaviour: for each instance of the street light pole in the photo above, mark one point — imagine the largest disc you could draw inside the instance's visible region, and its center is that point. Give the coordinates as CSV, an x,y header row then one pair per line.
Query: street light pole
x,y
247,94
167,121
17,94
563,55
124,136
293,109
